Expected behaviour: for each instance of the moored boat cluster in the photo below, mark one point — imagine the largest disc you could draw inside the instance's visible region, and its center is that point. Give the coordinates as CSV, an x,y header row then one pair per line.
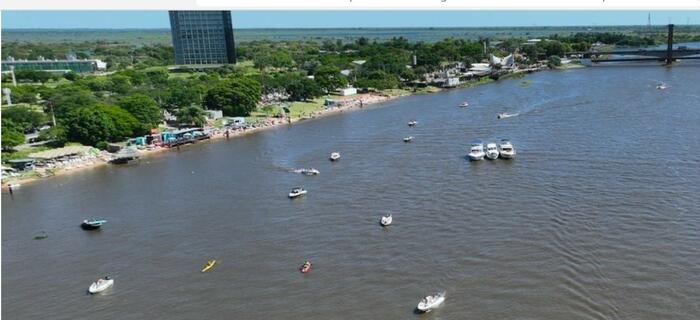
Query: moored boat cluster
x,y
493,151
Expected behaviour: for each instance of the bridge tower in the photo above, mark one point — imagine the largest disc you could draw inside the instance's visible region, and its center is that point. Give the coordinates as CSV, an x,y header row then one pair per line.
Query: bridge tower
x,y
669,47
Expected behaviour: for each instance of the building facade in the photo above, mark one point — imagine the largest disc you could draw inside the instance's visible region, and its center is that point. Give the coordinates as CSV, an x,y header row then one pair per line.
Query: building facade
x,y
202,37
58,66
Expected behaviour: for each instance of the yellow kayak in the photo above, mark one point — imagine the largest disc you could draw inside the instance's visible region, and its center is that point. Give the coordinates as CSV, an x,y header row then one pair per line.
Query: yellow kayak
x,y
209,265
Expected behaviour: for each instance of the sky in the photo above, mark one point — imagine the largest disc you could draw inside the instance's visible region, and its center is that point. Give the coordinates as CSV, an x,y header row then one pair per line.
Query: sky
x,y
349,19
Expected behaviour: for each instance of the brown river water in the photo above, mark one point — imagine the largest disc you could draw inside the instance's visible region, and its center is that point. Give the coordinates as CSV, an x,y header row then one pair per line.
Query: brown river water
x,y
598,217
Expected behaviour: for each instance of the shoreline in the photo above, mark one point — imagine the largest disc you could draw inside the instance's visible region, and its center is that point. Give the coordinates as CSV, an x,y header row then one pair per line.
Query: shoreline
x,y
350,103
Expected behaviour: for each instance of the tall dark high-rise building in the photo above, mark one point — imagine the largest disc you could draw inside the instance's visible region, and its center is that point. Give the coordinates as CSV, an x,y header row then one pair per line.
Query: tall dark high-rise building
x,y
202,37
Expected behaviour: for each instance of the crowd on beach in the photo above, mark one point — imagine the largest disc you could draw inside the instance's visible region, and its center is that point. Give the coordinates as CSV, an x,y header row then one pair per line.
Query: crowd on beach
x,y
94,157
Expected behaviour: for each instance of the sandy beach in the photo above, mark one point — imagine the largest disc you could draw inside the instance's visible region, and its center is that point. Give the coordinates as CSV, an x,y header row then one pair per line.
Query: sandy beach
x,y
343,104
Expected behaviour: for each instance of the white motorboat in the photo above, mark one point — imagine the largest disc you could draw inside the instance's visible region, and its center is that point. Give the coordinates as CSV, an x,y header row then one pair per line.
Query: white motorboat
x,y
492,151
408,139
412,123
101,285
14,185
504,115
297,192
661,86
464,104
476,152
431,302
386,220
335,156
506,149
309,171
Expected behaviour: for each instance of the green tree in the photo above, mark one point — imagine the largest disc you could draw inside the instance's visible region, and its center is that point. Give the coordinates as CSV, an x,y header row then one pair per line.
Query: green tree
x,y
143,107
33,76
24,94
65,98
125,124
303,89
119,84
235,97
553,61
379,80
192,115
56,135
182,93
157,77
329,78
88,125
24,117
71,76
12,135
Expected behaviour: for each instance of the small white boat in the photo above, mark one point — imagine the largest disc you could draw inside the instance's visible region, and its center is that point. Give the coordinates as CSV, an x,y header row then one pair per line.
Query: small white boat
x,y
492,151
101,285
661,86
504,115
429,303
309,171
386,220
476,152
412,123
408,139
464,104
14,185
335,156
506,149
297,192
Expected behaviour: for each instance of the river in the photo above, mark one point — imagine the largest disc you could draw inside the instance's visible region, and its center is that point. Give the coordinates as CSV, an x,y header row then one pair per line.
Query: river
x,y
597,218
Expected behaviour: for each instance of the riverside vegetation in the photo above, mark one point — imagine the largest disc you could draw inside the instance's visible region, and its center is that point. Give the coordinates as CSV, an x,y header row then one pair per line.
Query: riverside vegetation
x,y
139,88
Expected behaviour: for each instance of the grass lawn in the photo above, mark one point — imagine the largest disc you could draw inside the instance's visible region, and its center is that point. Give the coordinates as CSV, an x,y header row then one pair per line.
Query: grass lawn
x,y
22,154
298,109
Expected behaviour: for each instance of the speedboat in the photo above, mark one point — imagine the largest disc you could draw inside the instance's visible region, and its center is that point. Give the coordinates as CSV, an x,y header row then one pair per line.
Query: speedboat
x,y
661,86
210,264
306,267
297,192
41,235
412,123
504,115
92,224
14,185
408,139
101,285
386,220
506,149
309,172
464,104
335,156
429,303
476,152
492,151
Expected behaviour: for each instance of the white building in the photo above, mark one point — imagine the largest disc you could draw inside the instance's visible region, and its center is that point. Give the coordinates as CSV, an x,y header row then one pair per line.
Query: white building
x,y
214,114
452,82
349,91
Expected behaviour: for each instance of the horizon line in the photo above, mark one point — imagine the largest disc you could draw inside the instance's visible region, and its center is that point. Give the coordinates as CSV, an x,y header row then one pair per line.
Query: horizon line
x,y
397,27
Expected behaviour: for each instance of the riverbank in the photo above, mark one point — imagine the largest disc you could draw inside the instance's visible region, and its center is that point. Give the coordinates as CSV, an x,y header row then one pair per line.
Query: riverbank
x,y
315,110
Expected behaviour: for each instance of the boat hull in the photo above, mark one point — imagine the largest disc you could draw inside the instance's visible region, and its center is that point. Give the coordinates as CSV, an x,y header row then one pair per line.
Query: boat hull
x,y
427,308
476,157
95,288
87,226
506,155
492,156
386,221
